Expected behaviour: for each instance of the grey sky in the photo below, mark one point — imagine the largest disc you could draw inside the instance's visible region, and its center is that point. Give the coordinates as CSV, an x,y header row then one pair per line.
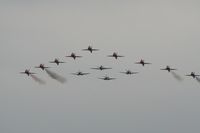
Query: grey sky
x,y
161,32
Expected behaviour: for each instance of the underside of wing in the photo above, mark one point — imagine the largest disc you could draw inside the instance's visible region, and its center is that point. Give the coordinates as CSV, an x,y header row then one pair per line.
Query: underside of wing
x,y
110,56
32,73
86,73
147,63
74,73
106,68
22,72
78,56
85,49
95,68
123,72
120,56
137,62
62,62
173,69
95,49
68,56
134,72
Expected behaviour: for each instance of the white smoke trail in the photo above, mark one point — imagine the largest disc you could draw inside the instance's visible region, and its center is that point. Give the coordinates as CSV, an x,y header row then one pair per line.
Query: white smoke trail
x,y
176,76
198,79
38,80
55,76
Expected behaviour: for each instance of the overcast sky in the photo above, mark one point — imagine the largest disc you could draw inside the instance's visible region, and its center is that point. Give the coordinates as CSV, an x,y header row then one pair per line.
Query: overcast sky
x,y
161,32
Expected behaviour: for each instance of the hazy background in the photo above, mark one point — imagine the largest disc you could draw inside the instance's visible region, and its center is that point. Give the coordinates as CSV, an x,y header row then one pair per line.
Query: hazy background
x,y
161,32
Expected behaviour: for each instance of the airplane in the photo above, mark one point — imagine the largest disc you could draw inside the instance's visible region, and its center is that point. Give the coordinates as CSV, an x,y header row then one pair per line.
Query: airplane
x,y
42,66
142,62
192,74
168,68
101,68
90,49
56,61
80,73
74,56
129,72
107,78
115,55
27,72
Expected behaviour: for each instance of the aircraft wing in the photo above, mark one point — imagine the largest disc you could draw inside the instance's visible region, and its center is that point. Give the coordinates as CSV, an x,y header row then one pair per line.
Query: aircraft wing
x,y
137,62
173,69
107,68
22,72
96,68
85,49
95,49
112,78
110,56
123,72
74,73
134,72
31,73
52,62
78,56
62,62
120,56
86,73
146,63
68,56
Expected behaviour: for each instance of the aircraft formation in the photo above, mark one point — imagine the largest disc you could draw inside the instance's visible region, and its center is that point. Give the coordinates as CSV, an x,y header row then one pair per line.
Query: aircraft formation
x,y
90,49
